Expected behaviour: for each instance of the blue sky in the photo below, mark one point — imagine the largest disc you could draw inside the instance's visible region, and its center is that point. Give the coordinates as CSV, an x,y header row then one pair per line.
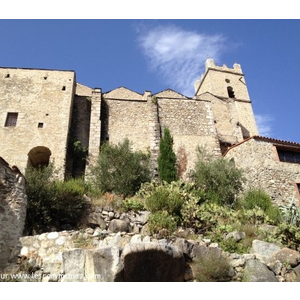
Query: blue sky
x,y
156,54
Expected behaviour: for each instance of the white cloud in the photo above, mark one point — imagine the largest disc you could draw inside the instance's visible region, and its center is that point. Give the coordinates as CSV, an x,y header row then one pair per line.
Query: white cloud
x,y
264,125
178,55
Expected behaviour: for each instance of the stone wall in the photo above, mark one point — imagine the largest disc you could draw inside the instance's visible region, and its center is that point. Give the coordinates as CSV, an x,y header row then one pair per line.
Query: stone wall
x,y
125,115
13,203
191,123
43,101
264,170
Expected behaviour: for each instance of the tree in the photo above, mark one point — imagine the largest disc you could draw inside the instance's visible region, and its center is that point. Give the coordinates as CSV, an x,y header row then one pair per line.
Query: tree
x,y
167,170
218,178
121,170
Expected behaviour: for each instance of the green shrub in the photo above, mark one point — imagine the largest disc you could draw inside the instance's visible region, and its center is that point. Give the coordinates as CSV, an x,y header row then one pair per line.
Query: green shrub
x,y
212,267
51,203
161,224
121,170
167,170
166,196
287,235
217,177
257,198
134,204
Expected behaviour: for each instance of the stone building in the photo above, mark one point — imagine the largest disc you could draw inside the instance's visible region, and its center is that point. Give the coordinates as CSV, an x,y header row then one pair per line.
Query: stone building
x,y
54,118
270,164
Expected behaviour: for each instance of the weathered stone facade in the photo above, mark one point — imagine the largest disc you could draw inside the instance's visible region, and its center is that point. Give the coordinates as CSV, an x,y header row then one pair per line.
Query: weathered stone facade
x,y
48,113
36,108
258,156
230,100
13,203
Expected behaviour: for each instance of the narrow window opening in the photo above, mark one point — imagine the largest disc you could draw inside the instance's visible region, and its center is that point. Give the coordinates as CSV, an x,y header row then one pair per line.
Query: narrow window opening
x,y
64,88
298,187
40,125
45,77
7,76
11,119
230,92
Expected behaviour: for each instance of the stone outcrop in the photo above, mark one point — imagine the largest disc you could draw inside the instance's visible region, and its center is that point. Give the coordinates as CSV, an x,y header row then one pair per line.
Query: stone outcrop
x,y
96,255
13,203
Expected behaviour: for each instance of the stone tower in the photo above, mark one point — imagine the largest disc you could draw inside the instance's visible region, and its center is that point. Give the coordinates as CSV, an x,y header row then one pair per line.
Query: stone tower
x,y
232,108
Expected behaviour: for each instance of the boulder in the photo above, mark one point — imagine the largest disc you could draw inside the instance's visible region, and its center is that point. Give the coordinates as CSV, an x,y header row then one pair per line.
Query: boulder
x,y
285,256
102,265
256,271
263,250
117,225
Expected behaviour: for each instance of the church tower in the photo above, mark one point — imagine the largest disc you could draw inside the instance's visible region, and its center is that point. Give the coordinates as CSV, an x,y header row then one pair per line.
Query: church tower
x,y
232,108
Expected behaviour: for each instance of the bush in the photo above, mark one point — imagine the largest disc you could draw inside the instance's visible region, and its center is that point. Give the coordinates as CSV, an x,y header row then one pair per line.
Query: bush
x,y
121,170
162,224
218,178
257,198
134,204
51,203
212,267
167,170
166,196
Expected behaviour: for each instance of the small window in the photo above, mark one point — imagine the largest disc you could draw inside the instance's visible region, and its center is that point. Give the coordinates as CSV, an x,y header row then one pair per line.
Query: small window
x,y
40,125
11,119
64,88
7,76
288,156
230,92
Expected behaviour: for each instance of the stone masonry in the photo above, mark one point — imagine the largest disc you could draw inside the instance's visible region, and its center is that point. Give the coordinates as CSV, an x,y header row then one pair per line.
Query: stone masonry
x,y
13,203
258,156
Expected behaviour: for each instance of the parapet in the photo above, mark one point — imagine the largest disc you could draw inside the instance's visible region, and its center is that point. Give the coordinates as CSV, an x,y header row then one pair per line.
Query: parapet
x,y
210,64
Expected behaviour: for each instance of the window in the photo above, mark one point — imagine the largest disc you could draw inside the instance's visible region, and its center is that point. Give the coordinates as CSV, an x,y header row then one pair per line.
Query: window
x,y
40,125
230,92
298,186
11,119
288,156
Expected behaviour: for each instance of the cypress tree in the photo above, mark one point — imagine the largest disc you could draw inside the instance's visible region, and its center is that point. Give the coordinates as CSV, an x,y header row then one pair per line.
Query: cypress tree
x,y
167,170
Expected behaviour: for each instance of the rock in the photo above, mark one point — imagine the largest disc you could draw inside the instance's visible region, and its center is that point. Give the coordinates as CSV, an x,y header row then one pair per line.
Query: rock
x,y
236,235
256,271
141,218
117,225
103,265
286,256
73,265
95,218
263,250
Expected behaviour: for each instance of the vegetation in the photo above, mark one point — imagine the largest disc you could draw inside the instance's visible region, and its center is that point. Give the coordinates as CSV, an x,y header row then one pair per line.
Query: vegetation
x,y
212,204
121,170
52,203
212,267
167,170
258,199
220,180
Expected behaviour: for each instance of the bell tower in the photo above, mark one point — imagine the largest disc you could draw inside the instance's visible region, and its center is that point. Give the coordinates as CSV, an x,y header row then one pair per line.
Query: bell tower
x,y
232,107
